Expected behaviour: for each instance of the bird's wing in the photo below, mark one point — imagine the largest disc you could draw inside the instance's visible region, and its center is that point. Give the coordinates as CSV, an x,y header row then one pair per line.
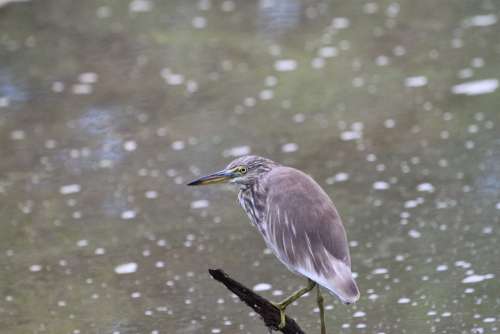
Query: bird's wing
x,y
306,233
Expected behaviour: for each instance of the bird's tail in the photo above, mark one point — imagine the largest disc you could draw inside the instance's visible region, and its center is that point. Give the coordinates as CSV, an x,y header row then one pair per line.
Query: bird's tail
x,y
342,283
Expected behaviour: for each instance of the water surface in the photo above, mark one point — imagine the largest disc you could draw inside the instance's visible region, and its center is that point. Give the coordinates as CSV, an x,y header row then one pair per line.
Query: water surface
x,y
107,109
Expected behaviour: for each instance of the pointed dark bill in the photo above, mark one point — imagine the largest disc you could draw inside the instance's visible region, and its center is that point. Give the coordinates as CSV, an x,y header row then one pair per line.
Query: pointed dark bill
x,y
219,177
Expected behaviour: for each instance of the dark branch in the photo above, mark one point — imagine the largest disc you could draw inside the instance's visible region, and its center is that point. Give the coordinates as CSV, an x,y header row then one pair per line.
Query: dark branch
x,y
269,313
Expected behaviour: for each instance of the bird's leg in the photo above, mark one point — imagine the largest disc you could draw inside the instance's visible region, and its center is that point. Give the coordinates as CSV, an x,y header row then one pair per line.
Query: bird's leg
x,y
293,297
321,310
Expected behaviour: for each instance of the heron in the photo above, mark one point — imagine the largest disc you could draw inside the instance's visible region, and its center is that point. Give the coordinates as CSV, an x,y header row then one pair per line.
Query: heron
x,y
299,224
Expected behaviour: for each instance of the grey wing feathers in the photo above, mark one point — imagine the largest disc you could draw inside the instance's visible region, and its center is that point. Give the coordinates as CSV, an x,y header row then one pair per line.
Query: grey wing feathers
x,y
306,233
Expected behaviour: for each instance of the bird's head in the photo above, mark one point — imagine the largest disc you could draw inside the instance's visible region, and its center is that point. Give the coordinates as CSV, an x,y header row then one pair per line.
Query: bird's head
x,y
243,171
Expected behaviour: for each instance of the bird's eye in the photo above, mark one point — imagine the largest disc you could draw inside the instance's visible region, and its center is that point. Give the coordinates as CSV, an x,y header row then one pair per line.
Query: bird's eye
x,y
242,170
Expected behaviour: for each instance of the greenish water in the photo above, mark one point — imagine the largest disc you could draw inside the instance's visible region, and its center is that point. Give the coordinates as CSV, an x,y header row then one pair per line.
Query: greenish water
x,y
107,109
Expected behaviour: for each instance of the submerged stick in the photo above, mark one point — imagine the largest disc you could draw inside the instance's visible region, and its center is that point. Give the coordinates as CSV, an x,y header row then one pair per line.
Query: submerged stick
x,y
270,314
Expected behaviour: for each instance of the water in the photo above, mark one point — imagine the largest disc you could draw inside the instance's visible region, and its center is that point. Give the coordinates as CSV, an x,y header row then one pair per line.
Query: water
x,y
108,108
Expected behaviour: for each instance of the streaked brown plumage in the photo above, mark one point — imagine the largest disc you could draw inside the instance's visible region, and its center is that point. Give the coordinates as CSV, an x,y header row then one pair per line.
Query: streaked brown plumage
x,y
297,219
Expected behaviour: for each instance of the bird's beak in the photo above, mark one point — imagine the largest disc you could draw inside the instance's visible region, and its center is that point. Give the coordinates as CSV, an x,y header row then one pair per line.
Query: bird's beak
x,y
219,177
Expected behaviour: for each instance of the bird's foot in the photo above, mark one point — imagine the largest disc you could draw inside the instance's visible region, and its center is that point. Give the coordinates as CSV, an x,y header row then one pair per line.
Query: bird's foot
x,y
289,300
281,307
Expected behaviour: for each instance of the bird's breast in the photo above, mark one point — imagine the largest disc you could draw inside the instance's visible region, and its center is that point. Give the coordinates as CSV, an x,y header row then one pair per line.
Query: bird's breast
x,y
252,200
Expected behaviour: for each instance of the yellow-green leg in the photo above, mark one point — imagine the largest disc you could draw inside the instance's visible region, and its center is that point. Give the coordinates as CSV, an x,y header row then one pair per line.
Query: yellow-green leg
x,y
321,310
293,297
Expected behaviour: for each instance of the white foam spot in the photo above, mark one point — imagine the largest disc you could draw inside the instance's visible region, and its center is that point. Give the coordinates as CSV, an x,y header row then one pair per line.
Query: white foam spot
x,y
228,6
462,264
4,101
199,22
82,89
139,6
477,278
480,20
403,300
359,314
17,135
370,7
88,78
262,287
339,177
35,268
328,51
382,60
285,65
130,145
442,267
237,151
340,22
380,271
175,79
178,145
266,94
418,81
389,123
289,148
425,187
414,234
411,204
476,87
350,135
299,118
487,230
489,320
200,204
70,189
128,214
82,243
100,251
151,194
126,268
381,185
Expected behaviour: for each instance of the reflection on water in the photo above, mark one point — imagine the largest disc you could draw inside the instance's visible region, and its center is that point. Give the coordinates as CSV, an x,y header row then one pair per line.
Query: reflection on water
x,y
277,17
108,108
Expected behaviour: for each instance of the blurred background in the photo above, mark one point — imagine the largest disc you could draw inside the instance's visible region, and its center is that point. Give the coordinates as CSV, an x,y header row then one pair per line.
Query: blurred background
x,y
107,109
